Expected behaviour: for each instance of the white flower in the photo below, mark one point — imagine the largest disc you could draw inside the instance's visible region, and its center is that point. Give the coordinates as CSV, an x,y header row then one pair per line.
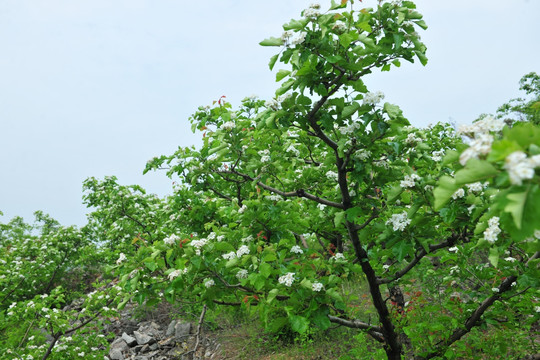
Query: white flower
x,y
242,274
242,209
121,258
495,290
386,266
453,249
510,259
274,197
243,250
293,150
171,240
299,39
373,98
537,308
286,35
296,249
321,206
519,167
475,187
437,155
399,221
493,230
481,145
174,274
311,13
286,279
412,138
332,175
537,234
458,194
272,104
229,256
409,181
209,283
362,154
229,125
338,256
317,286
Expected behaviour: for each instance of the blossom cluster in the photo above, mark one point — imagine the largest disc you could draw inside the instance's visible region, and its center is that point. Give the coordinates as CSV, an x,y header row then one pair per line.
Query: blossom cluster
x,y
373,98
493,230
286,279
482,140
520,167
409,181
399,221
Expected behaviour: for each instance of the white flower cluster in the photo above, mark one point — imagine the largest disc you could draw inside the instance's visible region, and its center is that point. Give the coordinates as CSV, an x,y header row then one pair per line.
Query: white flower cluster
x,y
198,244
293,150
243,250
349,129
317,286
272,104
265,155
338,256
174,274
458,194
229,256
476,187
409,181
373,98
297,249
229,125
332,175
286,279
312,12
520,167
209,283
399,221
482,140
121,258
242,274
437,155
362,154
299,39
286,35
171,240
274,197
412,138
242,209
493,230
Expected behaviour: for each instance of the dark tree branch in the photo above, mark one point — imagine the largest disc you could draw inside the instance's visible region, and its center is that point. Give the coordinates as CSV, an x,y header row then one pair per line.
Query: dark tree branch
x,y
374,331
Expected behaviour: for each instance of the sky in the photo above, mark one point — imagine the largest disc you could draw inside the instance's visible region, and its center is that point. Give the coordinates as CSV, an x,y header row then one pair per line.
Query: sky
x,y
99,87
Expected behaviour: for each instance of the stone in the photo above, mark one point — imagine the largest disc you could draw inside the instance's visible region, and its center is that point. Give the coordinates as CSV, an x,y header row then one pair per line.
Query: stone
x,y
130,340
182,330
142,339
117,349
170,328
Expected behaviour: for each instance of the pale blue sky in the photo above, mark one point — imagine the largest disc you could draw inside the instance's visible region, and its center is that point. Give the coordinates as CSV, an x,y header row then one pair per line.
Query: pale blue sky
x,y
98,87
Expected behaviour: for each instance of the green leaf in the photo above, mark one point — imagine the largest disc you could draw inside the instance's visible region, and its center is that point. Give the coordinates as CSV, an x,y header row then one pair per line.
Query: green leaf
x,y
271,295
265,270
475,170
285,87
502,148
224,246
394,193
305,283
341,5
303,100
150,264
421,23
338,218
272,62
347,38
515,206
393,111
367,41
349,110
272,41
364,25
450,157
295,24
299,323
494,256
281,74
442,193
398,40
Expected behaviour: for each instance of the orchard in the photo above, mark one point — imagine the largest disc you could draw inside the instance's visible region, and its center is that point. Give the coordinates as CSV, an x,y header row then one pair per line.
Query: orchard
x,y
290,200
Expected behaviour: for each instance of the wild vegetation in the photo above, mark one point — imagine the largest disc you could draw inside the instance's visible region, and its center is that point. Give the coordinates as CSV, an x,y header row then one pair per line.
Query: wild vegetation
x,y
321,208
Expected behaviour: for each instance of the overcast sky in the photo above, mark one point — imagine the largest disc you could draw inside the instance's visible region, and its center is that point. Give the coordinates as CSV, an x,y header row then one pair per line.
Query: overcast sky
x,y
98,87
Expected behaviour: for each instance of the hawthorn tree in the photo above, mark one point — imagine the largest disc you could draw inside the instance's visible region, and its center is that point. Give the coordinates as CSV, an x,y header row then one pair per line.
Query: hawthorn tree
x,y
289,198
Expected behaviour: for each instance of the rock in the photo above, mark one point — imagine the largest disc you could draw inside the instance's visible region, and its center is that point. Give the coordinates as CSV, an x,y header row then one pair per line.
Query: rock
x,y
142,338
117,349
170,328
182,330
130,340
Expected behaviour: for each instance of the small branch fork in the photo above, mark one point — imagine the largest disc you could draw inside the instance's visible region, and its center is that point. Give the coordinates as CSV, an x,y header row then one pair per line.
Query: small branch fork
x,y
198,333
472,321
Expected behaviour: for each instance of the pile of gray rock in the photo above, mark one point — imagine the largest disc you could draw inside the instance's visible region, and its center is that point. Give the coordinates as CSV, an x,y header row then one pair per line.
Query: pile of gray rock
x,y
148,340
